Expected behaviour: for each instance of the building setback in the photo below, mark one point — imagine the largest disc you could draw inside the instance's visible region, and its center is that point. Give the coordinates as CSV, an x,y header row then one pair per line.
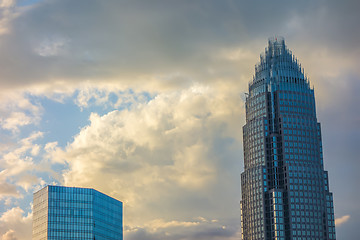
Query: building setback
x,y
285,190
69,213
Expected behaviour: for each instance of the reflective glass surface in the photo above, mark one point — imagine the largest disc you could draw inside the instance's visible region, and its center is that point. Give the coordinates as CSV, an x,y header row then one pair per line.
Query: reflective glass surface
x,y
285,191
76,213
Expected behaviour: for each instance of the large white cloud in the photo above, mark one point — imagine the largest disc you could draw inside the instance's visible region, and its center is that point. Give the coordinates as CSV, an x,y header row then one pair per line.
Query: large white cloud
x,y
174,158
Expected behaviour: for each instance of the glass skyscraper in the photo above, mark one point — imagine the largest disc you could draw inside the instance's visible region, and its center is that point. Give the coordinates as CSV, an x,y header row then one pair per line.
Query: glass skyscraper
x,y
285,190
69,213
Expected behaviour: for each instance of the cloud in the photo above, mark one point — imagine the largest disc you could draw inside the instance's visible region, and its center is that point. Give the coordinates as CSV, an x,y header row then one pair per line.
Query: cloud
x,y
176,230
159,223
7,14
7,3
28,182
16,120
53,153
132,45
159,45
176,155
17,111
341,220
18,167
9,235
19,160
7,189
52,46
15,224
107,96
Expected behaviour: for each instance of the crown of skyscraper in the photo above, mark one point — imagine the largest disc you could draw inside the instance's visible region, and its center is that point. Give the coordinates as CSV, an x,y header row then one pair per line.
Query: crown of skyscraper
x,y
278,64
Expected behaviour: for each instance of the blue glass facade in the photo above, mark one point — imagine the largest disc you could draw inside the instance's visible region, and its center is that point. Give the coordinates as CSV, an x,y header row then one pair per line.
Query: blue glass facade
x,y
285,190
76,213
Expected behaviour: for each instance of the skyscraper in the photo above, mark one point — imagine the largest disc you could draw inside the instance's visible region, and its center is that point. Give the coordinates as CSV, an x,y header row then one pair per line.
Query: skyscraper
x,y
69,213
285,190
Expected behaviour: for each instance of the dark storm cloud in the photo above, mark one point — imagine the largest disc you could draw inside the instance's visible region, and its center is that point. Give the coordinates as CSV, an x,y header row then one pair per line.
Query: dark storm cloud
x,y
341,137
94,40
90,39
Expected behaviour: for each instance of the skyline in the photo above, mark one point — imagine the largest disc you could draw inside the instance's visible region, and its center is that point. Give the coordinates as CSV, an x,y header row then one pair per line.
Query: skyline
x,y
144,101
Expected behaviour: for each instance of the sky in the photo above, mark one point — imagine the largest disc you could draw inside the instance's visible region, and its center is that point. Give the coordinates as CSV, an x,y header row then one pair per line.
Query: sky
x,y
144,101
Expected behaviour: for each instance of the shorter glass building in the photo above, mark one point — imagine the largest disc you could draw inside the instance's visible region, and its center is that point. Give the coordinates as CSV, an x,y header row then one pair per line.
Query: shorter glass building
x,y
69,213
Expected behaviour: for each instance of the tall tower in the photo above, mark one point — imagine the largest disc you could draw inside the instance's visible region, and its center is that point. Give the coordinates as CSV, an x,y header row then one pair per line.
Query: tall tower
x,y
285,190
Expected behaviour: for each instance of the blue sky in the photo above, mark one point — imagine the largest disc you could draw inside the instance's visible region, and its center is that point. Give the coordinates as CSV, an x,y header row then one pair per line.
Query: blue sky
x,y
144,101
